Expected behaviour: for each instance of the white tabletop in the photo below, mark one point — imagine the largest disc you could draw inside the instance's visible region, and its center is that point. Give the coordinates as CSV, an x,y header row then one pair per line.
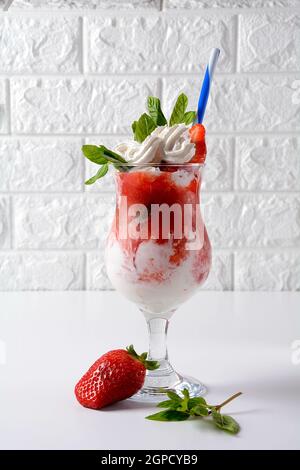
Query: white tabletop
x,y
231,341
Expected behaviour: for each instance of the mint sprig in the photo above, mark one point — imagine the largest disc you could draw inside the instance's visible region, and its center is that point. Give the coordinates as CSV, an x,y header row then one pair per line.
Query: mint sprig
x,y
189,117
103,156
155,111
148,122
143,127
182,408
100,173
179,114
225,422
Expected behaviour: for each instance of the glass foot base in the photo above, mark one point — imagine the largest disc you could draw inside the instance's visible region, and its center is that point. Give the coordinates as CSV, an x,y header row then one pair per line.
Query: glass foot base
x,y
154,394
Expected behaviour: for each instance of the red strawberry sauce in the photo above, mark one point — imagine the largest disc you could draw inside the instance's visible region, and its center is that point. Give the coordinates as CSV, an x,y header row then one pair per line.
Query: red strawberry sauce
x,y
167,185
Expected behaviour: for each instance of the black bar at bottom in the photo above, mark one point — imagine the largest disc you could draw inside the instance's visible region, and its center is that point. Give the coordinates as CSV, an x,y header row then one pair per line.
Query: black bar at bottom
x,y
135,458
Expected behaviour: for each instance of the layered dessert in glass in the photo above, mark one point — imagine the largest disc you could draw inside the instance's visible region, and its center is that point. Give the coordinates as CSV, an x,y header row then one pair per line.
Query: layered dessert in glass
x,y
158,251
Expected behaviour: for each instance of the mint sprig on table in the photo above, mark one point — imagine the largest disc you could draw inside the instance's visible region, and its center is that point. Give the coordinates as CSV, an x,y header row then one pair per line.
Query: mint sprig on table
x,y
182,408
141,128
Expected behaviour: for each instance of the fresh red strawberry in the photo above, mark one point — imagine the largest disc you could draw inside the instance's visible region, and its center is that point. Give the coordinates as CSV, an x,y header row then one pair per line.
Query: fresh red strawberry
x,y
116,375
197,134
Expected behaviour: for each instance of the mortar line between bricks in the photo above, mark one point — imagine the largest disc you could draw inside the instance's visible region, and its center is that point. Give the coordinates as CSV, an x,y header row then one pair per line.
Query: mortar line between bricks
x,y
237,36
15,12
233,271
160,89
12,223
84,271
216,250
249,133
81,49
144,74
235,169
8,105
82,169
210,192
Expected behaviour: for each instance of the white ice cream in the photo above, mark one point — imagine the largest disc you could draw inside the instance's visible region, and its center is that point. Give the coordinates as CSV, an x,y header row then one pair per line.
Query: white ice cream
x,y
165,144
154,297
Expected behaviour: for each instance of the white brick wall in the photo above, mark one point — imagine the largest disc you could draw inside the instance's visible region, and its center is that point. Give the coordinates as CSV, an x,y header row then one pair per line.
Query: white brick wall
x,y
75,71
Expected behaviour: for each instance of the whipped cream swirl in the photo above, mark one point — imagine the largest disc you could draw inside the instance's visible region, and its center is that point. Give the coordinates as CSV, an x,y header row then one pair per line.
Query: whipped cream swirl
x,y
165,144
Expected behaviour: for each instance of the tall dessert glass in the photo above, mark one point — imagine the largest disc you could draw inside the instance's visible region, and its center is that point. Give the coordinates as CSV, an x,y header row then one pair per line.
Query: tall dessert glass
x,y
158,254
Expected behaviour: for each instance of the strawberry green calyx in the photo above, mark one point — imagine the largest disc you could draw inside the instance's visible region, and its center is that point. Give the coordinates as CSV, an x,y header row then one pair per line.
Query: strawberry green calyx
x,y
149,365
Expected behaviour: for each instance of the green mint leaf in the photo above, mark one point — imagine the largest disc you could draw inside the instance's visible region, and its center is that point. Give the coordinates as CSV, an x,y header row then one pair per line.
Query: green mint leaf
x,y
110,155
100,173
174,397
184,401
183,406
167,404
196,401
225,422
115,159
94,154
169,415
189,117
133,126
199,410
155,111
143,127
179,109
101,154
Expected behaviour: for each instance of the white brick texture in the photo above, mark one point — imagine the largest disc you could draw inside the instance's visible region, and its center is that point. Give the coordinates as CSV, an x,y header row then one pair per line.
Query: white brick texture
x,y
41,271
268,271
41,165
93,4
174,45
239,104
3,108
78,105
279,34
79,71
43,222
220,276
4,222
252,220
96,272
268,164
218,174
41,45
194,4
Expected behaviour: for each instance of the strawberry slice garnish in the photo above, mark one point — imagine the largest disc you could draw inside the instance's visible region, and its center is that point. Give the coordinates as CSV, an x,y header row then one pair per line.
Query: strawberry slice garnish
x,y
197,135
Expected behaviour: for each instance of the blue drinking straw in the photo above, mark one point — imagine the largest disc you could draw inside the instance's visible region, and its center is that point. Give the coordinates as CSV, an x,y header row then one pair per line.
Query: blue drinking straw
x,y
206,84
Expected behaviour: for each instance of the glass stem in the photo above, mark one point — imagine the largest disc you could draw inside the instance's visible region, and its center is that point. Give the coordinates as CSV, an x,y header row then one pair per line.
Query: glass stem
x,y
158,328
